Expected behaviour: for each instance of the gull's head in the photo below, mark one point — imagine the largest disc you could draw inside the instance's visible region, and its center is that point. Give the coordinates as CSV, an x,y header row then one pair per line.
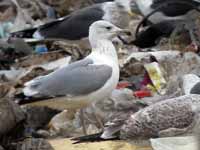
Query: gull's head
x,y
104,30
125,5
133,6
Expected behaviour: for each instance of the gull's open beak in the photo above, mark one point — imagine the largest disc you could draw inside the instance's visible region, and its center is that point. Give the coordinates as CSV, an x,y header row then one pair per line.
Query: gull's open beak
x,y
123,32
131,14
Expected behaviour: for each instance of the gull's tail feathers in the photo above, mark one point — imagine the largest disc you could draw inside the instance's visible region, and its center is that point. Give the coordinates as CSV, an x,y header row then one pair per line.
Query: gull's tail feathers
x,y
26,33
31,93
22,99
32,87
91,138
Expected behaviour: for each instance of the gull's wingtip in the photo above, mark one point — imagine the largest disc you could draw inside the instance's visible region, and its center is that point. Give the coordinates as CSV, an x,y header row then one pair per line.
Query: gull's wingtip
x,y
37,35
28,91
87,138
91,138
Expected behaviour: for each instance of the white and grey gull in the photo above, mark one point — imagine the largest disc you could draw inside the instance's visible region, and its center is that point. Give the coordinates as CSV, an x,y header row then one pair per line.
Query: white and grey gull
x,y
90,79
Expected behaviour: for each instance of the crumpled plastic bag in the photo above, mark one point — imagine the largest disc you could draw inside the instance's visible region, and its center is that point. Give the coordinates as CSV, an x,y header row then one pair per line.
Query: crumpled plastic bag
x,y
5,29
189,81
175,143
157,78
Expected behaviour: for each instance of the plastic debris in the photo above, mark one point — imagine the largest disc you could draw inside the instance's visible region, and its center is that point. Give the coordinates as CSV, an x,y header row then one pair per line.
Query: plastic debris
x,y
123,84
41,49
175,143
189,81
142,94
157,77
5,29
12,74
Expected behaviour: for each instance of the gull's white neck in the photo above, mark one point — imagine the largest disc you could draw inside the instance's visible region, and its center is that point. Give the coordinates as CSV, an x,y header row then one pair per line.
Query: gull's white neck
x,y
105,48
144,6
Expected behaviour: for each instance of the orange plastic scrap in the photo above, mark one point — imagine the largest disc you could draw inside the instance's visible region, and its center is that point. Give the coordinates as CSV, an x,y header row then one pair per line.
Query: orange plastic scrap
x,y
123,84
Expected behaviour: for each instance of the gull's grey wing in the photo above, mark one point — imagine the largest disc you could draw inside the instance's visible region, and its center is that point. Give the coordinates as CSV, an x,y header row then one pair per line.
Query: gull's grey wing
x,y
79,78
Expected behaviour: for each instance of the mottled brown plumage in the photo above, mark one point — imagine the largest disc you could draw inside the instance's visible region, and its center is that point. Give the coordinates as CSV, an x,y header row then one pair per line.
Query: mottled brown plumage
x,y
171,117
167,118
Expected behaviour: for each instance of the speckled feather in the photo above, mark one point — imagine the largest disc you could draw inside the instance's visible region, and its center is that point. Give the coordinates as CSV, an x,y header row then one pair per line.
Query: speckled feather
x,y
176,113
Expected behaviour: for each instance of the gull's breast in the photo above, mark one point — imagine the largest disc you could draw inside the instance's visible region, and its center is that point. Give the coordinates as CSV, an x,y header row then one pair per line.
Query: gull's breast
x,y
112,82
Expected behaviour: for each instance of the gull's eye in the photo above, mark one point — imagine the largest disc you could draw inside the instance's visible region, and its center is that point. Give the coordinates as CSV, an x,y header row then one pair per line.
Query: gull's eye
x,y
109,28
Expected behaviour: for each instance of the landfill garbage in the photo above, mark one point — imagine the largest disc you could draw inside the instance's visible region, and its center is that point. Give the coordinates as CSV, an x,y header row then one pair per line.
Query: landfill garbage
x,y
62,124
11,115
36,143
12,74
122,85
142,94
189,81
41,49
38,117
175,143
157,77
20,46
5,29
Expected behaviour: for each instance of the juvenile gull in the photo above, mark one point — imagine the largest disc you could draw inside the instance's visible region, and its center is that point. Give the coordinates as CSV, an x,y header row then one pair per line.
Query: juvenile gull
x,y
90,79
171,117
75,26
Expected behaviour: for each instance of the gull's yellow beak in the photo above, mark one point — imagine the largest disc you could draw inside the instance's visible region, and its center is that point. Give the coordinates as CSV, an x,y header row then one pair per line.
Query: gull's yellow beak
x,y
133,10
123,32
132,14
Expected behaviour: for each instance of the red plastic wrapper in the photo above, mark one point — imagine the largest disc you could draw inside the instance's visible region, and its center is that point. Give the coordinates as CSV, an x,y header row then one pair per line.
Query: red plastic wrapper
x,y
122,85
142,94
146,80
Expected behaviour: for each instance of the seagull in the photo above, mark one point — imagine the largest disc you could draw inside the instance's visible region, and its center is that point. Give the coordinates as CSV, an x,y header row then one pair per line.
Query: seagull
x,y
169,9
170,117
75,26
90,79
152,34
158,12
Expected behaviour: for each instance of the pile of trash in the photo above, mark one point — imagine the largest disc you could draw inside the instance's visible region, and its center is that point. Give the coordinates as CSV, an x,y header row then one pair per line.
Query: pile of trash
x,y
145,79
